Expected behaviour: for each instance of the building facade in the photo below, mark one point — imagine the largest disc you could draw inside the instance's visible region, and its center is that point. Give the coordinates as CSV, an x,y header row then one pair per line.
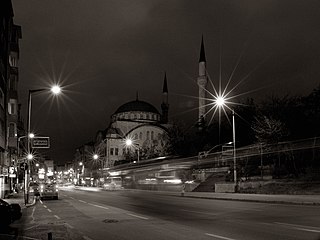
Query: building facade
x,y
9,108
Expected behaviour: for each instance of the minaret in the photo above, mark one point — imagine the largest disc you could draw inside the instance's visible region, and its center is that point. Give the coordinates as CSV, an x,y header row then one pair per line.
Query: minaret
x,y
202,82
165,102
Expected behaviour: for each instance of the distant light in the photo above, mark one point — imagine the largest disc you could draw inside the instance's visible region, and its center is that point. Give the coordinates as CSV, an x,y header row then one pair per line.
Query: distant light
x,y
95,156
220,101
37,164
56,89
29,156
80,163
31,135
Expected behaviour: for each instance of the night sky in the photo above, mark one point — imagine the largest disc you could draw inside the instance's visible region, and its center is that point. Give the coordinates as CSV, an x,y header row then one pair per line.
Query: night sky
x,y
103,51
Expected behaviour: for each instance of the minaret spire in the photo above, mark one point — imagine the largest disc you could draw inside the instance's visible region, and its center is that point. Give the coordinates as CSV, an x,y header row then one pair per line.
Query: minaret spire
x,y
165,102
202,81
202,57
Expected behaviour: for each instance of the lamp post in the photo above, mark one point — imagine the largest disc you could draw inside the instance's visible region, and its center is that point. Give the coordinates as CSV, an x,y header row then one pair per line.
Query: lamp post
x,y
130,143
220,102
29,156
55,90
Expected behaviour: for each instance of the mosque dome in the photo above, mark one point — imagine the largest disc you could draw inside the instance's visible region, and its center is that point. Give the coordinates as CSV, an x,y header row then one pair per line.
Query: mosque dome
x,y
137,111
137,106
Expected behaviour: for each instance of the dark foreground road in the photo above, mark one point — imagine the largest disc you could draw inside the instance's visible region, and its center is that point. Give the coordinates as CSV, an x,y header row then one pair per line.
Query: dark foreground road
x,y
144,215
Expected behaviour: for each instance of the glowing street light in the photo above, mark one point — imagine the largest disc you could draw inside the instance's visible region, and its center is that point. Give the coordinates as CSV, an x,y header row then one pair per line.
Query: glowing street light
x,y
29,156
31,135
55,90
129,143
95,156
220,102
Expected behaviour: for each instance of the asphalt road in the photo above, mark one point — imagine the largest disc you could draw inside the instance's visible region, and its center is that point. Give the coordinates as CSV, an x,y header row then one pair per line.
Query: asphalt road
x,y
144,215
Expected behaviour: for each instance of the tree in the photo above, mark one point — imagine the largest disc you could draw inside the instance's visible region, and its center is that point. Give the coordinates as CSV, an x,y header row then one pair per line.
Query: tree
x,y
268,130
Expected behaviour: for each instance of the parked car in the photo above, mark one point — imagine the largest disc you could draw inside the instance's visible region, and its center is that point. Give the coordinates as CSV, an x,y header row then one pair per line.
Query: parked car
x,y
49,190
9,212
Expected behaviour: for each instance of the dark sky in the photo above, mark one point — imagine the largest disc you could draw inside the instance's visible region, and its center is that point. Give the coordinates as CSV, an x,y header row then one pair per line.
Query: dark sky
x,y
103,51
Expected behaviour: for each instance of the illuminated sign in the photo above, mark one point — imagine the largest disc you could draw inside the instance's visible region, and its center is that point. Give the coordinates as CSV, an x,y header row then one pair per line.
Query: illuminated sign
x,y
41,142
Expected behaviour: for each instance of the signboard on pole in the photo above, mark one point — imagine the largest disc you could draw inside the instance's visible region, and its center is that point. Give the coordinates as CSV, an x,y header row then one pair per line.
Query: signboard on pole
x,y
40,142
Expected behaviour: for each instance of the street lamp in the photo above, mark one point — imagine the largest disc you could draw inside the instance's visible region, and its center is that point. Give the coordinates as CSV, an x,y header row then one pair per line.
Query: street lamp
x,y
29,157
55,90
129,143
220,102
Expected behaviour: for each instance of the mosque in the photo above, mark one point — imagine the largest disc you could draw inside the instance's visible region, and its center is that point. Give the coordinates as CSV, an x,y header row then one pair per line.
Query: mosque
x,y
144,125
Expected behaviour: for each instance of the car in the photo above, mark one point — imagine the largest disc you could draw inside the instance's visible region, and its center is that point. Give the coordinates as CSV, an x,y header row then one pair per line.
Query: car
x,y
34,187
49,190
9,212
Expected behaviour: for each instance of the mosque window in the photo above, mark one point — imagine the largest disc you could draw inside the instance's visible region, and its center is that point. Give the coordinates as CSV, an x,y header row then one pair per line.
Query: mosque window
x,y
136,136
144,116
140,137
116,151
148,135
126,116
138,116
152,135
150,116
111,151
131,116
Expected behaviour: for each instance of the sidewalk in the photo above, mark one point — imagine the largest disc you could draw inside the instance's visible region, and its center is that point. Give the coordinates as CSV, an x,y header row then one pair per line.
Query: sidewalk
x,y
19,198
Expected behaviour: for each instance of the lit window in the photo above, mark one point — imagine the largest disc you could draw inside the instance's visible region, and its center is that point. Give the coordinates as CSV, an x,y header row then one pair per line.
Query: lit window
x,y
12,130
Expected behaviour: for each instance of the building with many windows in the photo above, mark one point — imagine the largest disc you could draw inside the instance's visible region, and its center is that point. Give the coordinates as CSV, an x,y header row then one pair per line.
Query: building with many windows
x,y
9,108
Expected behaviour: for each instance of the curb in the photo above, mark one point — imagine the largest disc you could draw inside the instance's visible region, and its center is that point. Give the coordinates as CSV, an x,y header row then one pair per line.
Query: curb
x,y
33,202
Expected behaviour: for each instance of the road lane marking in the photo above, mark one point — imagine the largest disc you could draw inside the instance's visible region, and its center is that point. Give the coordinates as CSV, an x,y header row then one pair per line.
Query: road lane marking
x,y
73,198
49,210
300,227
86,237
137,216
57,217
82,201
68,225
185,210
40,201
98,206
44,206
29,228
220,237
32,215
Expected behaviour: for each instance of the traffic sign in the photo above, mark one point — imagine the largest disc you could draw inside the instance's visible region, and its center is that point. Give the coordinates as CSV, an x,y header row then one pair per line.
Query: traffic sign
x,y
40,142
23,166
